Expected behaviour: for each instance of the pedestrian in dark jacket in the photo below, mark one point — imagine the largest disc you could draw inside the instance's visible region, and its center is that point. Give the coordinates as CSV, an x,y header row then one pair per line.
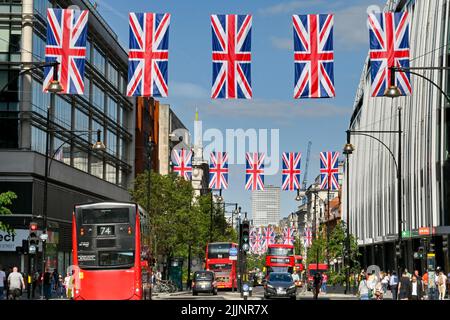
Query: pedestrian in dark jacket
x,y
404,287
416,289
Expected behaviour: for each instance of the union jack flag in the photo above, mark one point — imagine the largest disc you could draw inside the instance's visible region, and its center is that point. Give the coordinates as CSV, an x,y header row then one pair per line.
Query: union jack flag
x,y
231,45
389,47
313,56
254,172
148,55
66,43
291,170
269,236
257,240
218,170
307,237
329,170
182,163
288,235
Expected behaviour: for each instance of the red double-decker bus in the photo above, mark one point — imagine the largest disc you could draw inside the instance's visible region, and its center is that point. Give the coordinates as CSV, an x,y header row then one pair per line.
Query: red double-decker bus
x,y
107,239
280,258
218,260
298,261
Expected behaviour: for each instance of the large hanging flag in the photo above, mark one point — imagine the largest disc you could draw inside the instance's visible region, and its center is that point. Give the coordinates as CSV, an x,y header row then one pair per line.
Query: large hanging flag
x,y
218,170
313,56
288,235
231,43
307,237
148,55
291,170
66,43
182,163
329,178
254,172
389,47
269,236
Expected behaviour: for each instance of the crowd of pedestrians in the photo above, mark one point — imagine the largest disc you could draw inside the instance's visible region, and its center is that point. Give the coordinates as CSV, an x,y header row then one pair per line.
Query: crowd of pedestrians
x,y
54,285
429,286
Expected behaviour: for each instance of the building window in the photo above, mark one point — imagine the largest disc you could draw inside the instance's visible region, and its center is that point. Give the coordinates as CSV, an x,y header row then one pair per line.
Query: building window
x,y
99,61
37,140
97,167
96,126
87,86
112,109
38,48
98,97
110,173
81,120
63,112
61,151
80,159
41,6
111,142
122,149
88,50
39,100
113,75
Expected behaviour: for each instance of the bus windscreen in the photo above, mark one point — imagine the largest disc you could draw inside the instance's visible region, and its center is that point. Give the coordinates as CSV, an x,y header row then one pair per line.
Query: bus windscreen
x,y
284,252
110,215
219,250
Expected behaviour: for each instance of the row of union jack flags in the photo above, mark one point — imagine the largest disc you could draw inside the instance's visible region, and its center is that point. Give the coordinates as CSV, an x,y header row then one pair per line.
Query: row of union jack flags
x,y
254,171
262,237
148,55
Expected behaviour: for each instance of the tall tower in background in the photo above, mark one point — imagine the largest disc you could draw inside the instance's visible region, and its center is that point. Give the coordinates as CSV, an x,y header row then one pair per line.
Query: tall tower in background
x,y
200,172
266,206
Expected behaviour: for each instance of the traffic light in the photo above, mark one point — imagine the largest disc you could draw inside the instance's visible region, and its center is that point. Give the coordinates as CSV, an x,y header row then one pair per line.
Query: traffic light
x,y
33,239
398,250
245,235
431,247
25,247
445,242
33,226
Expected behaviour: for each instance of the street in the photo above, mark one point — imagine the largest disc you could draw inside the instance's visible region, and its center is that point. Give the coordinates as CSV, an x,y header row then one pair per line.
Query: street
x,y
258,294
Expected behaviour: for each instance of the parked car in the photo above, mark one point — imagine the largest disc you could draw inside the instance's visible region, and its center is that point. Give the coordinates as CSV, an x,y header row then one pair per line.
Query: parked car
x,y
280,284
204,282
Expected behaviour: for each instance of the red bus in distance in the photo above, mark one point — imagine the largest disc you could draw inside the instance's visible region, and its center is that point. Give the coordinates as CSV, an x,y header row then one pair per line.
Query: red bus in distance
x,y
280,258
218,260
107,241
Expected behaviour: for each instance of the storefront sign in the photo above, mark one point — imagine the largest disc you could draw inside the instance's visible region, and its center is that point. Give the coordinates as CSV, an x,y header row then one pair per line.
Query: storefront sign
x,y
9,241
424,231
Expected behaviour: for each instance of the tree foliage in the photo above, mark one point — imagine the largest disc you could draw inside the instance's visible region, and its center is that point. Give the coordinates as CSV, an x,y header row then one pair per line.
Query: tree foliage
x,y
177,218
6,200
337,249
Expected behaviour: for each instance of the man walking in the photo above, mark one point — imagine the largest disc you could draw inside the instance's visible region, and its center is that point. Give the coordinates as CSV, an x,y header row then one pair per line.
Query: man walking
x,y
15,284
317,283
393,283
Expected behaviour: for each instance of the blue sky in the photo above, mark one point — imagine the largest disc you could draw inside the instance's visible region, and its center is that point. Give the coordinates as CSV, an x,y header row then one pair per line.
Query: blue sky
x,y
321,121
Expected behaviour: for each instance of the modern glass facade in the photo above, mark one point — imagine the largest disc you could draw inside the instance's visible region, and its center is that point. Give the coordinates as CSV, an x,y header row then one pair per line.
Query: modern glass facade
x,y
74,166
103,106
424,153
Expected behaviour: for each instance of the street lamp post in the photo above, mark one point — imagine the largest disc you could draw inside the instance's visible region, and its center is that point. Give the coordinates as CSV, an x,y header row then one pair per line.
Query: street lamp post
x,y
150,150
348,150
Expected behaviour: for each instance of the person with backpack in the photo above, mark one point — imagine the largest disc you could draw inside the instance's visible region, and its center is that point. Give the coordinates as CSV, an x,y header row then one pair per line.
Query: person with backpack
x,y
363,288
404,286
15,284
442,284
317,283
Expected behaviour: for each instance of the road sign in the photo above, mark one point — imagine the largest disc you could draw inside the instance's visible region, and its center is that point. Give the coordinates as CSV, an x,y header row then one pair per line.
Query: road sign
x,y
233,251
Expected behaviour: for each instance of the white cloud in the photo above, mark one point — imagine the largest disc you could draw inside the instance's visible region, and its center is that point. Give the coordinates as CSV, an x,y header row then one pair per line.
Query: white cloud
x,y
188,90
282,43
350,27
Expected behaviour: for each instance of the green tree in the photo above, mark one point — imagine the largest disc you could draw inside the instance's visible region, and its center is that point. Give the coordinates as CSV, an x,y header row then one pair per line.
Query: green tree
x,y
6,199
177,219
